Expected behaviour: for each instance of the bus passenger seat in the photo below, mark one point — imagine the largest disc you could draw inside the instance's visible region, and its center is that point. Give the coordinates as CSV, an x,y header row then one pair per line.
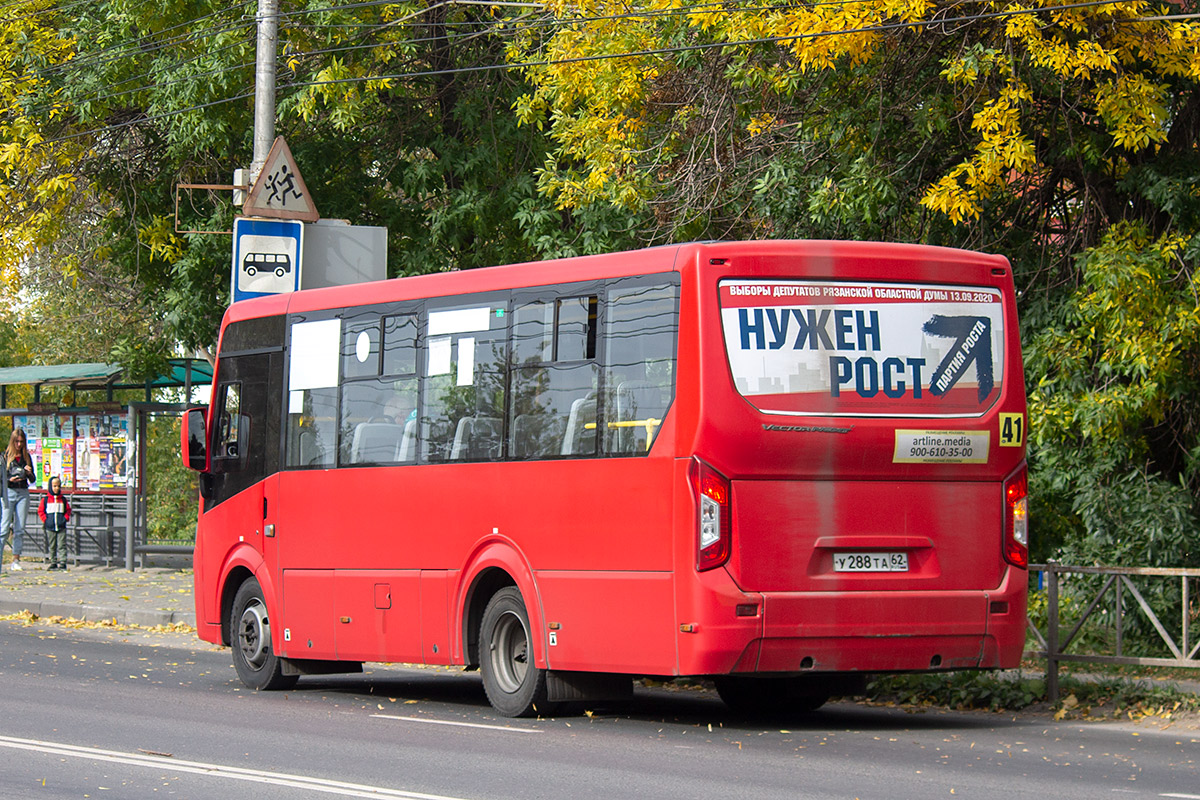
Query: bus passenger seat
x,y
579,439
407,449
306,448
537,435
375,442
476,438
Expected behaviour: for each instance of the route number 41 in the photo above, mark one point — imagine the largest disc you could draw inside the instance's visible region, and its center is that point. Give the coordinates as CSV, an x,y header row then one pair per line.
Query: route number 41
x,y
1012,430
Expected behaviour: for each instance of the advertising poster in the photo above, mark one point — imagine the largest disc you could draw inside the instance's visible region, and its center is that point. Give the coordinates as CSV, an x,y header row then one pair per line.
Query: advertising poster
x,y
88,452
862,348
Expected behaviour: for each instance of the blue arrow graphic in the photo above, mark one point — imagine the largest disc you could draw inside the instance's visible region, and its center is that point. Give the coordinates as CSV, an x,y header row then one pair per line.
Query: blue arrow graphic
x,y
974,335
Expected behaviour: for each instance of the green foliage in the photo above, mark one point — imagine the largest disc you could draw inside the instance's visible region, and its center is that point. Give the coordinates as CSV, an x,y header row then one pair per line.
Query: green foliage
x,y
982,690
436,158
1014,692
172,490
10,344
1113,404
37,183
1121,695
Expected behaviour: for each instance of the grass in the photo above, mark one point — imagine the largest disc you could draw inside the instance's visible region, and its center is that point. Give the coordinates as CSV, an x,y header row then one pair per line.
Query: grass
x,y
1092,696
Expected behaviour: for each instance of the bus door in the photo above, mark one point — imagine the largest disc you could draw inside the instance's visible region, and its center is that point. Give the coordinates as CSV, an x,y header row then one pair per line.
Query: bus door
x,y
245,456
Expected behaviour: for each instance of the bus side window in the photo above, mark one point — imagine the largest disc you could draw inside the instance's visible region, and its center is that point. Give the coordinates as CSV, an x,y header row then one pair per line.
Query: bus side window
x,y
312,427
315,360
443,407
361,349
463,389
400,344
245,408
639,361
553,382
375,416
231,424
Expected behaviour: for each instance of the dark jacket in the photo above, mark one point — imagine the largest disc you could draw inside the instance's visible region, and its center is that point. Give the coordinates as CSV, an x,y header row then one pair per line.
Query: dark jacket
x,y
22,470
55,512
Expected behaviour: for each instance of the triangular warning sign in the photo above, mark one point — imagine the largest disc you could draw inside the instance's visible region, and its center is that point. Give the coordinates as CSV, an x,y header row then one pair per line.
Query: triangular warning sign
x,y
279,192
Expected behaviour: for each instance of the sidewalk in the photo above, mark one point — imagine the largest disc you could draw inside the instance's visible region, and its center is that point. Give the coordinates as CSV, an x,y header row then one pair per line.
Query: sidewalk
x,y
158,594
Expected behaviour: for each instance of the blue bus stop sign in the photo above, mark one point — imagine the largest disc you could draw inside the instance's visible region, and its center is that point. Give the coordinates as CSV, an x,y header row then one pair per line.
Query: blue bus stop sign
x,y
266,257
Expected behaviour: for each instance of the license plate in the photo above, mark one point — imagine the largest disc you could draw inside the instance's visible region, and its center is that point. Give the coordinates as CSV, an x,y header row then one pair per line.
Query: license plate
x,y
870,562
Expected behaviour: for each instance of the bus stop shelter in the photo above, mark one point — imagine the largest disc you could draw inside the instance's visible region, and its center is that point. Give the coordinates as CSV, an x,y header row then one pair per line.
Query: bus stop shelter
x,y
97,446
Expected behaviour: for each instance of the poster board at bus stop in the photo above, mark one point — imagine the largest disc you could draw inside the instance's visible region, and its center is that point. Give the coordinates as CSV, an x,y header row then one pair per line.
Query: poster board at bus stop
x,y
86,451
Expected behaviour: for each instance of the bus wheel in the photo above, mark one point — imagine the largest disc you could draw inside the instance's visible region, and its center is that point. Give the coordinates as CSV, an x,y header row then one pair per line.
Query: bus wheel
x,y
250,635
514,686
769,696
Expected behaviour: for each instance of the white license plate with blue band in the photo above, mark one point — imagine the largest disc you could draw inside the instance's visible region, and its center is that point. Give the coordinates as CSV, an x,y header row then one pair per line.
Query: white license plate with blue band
x,y
870,562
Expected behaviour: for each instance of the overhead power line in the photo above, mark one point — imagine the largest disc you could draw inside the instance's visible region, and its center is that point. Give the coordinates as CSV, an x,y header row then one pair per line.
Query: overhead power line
x,y
118,50
137,45
50,9
699,46
148,118
154,80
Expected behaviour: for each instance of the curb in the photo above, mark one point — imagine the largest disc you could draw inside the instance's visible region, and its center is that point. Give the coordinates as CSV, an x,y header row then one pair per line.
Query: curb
x,y
95,613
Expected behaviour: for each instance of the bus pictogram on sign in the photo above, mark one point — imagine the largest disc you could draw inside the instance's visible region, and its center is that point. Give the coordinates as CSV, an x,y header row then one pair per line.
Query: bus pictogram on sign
x,y
279,263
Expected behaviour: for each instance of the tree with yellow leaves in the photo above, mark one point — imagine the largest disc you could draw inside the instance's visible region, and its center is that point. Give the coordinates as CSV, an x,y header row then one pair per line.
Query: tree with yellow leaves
x,y
54,256
627,91
37,180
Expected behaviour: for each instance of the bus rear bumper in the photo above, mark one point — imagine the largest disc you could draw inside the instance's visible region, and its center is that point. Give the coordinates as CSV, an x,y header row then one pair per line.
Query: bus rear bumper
x,y
877,654
888,631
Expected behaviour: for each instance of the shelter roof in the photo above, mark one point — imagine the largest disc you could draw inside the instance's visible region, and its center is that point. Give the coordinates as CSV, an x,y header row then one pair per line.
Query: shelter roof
x,y
93,376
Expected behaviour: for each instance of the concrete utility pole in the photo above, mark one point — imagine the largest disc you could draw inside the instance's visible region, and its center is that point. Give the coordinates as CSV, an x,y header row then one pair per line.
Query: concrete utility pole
x,y
264,84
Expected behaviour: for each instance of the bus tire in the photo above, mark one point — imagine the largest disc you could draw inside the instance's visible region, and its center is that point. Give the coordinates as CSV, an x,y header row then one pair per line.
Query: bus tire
x,y
514,686
250,636
762,697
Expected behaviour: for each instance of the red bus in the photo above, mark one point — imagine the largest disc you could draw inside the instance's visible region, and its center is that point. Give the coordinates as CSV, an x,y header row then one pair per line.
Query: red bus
x,y
780,465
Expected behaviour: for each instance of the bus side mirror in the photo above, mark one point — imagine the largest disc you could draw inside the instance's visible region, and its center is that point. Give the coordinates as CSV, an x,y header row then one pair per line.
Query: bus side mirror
x,y
194,440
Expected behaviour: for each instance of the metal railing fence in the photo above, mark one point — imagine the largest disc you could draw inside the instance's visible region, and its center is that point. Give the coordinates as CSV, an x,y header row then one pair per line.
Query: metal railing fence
x,y
99,531
1107,609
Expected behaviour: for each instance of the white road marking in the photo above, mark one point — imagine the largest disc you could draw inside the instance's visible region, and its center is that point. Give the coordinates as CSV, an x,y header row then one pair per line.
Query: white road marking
x,y
502,728
1183,796
215,770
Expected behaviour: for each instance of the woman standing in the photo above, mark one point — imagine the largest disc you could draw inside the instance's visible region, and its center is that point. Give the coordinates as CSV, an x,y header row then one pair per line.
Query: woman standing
x,y
18,467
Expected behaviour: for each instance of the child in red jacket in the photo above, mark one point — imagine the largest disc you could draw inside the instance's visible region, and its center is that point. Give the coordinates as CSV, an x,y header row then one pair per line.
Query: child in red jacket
x,y
55,512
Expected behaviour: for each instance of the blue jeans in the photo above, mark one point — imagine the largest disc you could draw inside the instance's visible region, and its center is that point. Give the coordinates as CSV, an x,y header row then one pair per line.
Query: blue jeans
x,y
16,504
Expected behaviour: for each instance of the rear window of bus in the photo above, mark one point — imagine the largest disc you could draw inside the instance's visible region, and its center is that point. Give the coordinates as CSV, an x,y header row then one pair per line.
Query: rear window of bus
x,y
864,348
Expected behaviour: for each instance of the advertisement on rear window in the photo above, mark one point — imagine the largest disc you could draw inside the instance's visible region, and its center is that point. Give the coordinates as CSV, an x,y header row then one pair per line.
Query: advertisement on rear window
x,y
820,348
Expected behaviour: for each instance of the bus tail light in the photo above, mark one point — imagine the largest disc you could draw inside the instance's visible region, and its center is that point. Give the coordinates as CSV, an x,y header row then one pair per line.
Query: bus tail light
x,y
714,521
1016,519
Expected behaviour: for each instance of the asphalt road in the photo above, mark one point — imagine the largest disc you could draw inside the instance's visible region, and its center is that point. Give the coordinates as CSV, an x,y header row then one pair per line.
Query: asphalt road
x,y
91,714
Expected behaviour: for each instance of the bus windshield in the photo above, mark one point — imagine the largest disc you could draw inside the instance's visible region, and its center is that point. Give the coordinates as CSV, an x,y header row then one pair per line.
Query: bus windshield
x,y
864,349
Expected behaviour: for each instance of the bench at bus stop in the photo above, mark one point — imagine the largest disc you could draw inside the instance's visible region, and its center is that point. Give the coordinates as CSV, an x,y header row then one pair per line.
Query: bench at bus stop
x,y
95,532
